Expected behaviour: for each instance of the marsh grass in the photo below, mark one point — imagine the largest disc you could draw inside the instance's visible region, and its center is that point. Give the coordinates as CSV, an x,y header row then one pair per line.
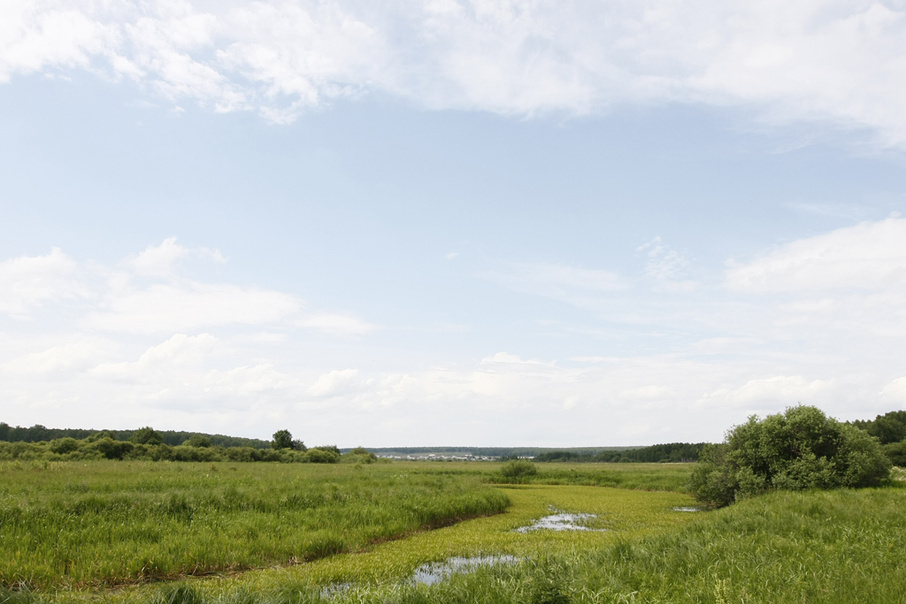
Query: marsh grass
x,y
831,546
70,525
640,476
825,546
384,572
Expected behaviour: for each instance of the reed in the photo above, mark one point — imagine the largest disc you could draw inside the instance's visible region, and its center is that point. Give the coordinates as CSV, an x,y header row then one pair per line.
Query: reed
x,y
70,525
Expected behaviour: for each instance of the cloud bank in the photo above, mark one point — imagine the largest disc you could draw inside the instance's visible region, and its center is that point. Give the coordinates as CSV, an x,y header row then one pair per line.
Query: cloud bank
x,y
819,320
833,62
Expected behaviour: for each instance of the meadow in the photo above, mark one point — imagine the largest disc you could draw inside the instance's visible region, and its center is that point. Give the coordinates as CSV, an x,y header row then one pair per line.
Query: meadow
x,y
107,523
816,546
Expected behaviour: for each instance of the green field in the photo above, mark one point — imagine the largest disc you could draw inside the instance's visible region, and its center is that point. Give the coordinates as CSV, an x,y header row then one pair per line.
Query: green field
x,y
65,525
307,533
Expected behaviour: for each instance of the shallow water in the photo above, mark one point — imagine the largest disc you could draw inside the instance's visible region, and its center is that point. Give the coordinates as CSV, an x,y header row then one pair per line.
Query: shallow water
x,y
687,509
429,574
562,521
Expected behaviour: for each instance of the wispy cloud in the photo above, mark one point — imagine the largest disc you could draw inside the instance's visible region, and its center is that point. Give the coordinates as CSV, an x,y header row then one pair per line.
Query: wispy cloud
x,y
149,294
817,61
160,260
571,284
795,324
666,268
179,307
868,256
28,282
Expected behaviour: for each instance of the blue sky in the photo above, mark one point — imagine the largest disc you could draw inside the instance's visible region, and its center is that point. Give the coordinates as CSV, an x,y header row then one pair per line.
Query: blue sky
x,y
442,222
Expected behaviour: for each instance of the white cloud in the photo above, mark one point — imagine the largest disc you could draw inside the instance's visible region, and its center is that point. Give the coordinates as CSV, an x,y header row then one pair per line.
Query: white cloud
x,y
786,390
335,383
868,256
28,282
125,301
571,284
817,61
509,359
160,260
240,384
336,324
62,359
895,392
666,267
179,352
180,307
183,353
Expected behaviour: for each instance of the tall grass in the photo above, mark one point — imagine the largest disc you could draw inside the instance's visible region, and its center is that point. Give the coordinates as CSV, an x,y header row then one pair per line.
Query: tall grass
x,y
384,573
641,476
826,546
66,525
837,547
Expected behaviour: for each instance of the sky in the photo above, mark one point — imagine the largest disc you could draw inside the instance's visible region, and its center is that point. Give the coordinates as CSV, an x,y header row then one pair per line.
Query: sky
x,y
451,222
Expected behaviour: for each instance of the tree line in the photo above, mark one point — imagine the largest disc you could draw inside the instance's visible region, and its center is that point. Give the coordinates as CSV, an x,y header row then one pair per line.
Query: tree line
x,y
890,430
39,433
663,453
149,444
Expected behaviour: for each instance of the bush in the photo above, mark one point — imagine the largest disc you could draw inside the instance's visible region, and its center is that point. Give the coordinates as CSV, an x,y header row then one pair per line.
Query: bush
x,y
359,455
198,440
518,469
112,449
896,452
319,455
146,436
63,446
799,449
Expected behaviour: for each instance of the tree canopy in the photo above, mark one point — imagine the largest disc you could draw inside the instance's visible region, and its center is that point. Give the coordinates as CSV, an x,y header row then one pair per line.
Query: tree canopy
x,y
147,436
801,448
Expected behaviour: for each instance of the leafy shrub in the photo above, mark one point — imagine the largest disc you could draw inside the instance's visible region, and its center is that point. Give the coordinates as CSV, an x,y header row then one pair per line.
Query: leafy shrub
x,y
799,449
112,449
896,452
318,455
198,440
518,469
62,446
359,455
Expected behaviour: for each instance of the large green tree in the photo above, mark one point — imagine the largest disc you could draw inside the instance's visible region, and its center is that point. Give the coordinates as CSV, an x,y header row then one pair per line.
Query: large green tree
x,y
283,439
801,448
147,436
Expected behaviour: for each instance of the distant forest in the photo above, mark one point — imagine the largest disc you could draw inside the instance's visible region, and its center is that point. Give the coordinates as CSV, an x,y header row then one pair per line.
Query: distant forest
x,y
510,452
669,452
889,429
39,433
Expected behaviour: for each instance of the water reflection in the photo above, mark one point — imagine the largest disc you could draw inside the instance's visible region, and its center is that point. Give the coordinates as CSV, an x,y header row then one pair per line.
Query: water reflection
x,y
561,521
434,572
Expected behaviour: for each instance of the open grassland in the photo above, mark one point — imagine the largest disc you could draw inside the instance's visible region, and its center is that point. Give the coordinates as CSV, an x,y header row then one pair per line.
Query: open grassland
x,y
66,525
644,476
816,547
837,546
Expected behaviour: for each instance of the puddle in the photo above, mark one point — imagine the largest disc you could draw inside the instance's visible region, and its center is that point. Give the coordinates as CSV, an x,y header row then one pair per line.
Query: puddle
x,y
429,574
562,521
335,589
682,509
